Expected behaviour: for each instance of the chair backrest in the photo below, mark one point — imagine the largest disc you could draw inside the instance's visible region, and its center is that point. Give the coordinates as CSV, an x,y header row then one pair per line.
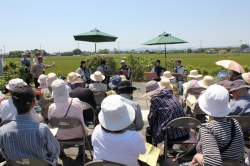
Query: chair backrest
x,y
103,163
30,161
197,110
244,121
65,123
88,106
5,122
99,96
184,122
195,91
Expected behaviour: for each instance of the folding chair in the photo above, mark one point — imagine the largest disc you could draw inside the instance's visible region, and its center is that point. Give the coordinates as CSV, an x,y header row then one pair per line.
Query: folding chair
x,y
182,123
244,122
87,106
103,163
5,122
99,96
29,161
225,162
69,123
196,91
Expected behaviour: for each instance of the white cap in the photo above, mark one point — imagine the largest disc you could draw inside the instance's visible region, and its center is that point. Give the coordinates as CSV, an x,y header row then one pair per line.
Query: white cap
x,y
50,78
215,101
59,91
14,83
42,79
122,61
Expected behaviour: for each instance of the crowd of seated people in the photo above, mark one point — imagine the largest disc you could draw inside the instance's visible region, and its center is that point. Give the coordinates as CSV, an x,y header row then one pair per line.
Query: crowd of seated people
x,y
117,138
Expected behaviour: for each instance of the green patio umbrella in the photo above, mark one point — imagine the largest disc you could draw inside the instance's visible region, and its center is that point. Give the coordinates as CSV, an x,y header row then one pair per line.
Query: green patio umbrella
x,y
95,36
164,39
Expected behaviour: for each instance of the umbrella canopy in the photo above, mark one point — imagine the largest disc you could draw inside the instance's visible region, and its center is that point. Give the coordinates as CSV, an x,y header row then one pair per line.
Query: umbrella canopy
x,y
164,39
95,36
231,65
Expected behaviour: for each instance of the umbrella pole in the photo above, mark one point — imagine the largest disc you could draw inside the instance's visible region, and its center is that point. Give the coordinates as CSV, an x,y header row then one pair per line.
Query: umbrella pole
x,y
165,57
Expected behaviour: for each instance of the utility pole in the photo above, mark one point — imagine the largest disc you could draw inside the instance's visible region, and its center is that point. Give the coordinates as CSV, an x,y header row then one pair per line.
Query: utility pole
x,y
78,49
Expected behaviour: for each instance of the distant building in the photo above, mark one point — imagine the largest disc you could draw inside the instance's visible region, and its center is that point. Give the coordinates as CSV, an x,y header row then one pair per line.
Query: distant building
x,y
222,52
246,50
211,50
236,50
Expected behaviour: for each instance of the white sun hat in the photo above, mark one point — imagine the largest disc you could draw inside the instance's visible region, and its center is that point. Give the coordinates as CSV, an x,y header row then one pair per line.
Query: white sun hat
x,y
115,114
123,77
59,91
122,61
167,74
215,101
42,79
50,78
97,76
246,77
71,75
14,83
206,81
165,83
194,74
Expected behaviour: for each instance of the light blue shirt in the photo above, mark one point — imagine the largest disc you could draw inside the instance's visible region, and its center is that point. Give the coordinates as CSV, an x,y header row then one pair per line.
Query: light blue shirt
x,y
241,106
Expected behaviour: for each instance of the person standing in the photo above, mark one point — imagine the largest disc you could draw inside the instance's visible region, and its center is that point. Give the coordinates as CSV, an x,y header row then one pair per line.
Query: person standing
x,y
84,72
179,69
158,69
1,66
37,70
26,62
126,68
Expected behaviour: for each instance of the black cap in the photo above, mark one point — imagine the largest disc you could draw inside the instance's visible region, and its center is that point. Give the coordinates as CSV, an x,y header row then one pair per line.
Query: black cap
x,y
125,85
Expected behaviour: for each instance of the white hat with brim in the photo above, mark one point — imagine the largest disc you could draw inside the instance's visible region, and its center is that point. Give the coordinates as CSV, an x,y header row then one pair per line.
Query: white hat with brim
x,y
71,75
194,74
246,77
59,91
168,75
97,76
165,83
50,78
123,77
14,83
152,88
42,79
215,101
115,114
206,81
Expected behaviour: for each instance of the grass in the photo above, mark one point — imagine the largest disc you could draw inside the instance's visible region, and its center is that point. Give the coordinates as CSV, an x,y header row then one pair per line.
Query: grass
x,y
71,63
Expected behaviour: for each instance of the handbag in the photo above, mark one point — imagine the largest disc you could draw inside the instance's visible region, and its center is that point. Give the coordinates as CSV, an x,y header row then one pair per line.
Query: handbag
x,y
187,156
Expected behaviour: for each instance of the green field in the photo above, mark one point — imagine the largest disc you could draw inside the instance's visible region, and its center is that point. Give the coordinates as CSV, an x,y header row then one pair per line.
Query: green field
x,y
70,63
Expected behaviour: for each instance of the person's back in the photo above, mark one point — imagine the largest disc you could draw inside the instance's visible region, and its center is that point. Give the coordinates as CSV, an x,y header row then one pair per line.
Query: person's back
x,y
214,136
98,86
46,100
121,148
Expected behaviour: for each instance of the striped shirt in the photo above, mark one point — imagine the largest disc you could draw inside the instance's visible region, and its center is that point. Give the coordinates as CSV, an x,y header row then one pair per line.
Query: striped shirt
x,y
25,138
216,135
164,108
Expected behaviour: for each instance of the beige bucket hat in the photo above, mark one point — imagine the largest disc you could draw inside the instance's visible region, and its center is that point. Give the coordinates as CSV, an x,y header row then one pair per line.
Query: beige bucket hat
x,y
168,75
14,83
246,77
165,83
50,78
71,75
194,74
206,81
97,76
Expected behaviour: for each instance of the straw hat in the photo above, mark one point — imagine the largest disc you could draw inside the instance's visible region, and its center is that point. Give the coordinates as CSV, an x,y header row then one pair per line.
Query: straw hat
x,y
115,80
152,87
97,76
206,81
167,74
50,78
14,83
246,77
123,77
42,79
71,75
77,80
165,83
59,91
194,74
214,101
115,114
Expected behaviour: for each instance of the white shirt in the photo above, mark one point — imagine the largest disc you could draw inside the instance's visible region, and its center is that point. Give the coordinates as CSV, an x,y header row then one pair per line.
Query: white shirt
x,y
8,110
98,86
120,148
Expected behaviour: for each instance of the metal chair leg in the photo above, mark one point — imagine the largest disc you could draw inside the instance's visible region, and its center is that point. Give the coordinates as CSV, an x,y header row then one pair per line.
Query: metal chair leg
x,y
89,147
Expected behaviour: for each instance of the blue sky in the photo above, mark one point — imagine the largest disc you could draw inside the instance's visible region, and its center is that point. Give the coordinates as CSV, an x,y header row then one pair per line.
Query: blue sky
x,y
25,24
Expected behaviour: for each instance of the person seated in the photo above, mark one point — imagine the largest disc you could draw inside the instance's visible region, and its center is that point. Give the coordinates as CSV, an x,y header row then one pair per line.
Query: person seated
x,y
217,133
195,78
83,94
246,77
168,75
165,83
7,108
84,72
46,96
65,106
103,67
42,81
234,76
125,90
110,139
206,82
158,69
164,108
113,85
240,104
126,68
179,69
23,137
98,77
